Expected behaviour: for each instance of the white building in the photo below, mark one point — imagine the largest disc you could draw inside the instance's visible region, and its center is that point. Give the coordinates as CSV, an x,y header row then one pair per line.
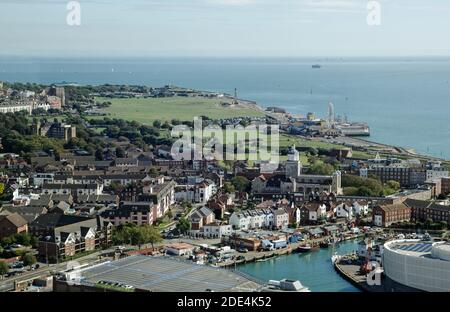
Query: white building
x,y
344,210
16,107
437,173
360,208
74,189
216,230
204,191
40,178
179,249
259,218
420,265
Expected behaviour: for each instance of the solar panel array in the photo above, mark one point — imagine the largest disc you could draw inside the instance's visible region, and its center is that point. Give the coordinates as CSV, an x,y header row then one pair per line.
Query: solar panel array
x,y
422,248
166,274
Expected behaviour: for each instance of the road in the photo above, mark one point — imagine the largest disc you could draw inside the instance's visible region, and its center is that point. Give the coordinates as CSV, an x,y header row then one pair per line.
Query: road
x,y
7,284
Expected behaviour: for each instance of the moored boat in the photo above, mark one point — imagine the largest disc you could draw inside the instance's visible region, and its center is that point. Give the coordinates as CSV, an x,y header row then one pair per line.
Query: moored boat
x,y
335,258
287,285
304,248
324,244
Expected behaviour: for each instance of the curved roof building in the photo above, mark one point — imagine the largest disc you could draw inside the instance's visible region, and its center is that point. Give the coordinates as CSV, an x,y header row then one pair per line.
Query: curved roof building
x,y
417,264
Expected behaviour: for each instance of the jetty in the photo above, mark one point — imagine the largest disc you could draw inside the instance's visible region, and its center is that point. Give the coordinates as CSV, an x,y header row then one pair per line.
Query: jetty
x,y
348,268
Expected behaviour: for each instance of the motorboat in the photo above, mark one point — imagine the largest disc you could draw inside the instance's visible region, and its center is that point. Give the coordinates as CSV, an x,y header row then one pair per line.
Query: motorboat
x,y
304,248
287,285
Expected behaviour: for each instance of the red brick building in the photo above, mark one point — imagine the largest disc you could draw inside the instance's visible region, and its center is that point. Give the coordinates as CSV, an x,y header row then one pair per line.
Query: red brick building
x,y
445,185
11,224
388,214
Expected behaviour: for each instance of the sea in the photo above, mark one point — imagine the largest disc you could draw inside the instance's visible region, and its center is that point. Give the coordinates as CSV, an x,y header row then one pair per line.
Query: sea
x,y
405,101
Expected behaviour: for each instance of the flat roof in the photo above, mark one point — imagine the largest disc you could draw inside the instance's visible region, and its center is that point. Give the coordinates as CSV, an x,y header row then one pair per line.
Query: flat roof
x,y
412,248
166,274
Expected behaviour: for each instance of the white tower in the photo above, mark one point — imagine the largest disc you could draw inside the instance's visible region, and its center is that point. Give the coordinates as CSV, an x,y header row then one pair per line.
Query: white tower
x,y
293,165
336,184
331,116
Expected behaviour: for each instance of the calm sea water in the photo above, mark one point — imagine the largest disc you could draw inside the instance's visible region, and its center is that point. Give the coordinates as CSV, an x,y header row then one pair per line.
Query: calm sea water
x,y
314,269
406,102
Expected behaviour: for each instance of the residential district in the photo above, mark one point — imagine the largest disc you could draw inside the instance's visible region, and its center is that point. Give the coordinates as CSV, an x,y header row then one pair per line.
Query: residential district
x,y
99,204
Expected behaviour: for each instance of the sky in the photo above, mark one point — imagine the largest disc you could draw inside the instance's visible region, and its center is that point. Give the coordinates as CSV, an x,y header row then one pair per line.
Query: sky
x,y
217,28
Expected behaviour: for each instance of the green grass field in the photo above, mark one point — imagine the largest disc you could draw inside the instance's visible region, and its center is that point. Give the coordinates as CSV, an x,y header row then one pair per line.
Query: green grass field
x,y
289,140
182,108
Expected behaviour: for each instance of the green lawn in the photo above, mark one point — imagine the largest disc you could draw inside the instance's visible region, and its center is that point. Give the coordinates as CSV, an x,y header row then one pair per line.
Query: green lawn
x,y
182,108
289,140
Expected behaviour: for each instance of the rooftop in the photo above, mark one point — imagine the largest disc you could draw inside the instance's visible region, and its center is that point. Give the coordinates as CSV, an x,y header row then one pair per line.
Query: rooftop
x,y
164,274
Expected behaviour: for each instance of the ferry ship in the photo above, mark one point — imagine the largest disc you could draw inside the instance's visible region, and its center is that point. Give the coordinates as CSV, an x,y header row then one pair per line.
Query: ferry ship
x,y
354,129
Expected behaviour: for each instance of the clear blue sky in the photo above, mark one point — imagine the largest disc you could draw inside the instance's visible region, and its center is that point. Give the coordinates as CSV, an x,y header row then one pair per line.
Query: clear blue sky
x,y
224,28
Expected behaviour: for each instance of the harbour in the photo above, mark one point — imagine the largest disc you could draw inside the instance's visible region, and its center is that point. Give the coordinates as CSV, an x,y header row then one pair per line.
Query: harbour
x,y
313,269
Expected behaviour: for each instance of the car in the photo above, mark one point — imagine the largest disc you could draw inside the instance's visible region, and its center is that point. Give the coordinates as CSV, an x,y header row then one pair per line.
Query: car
x,y
243,250
17,265
120,249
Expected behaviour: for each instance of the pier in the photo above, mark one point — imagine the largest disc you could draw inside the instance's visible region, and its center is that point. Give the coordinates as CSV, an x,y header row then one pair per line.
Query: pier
x,y
349,270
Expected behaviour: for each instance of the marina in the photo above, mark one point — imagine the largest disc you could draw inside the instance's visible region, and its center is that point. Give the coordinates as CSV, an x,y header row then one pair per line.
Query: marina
x,y
313,269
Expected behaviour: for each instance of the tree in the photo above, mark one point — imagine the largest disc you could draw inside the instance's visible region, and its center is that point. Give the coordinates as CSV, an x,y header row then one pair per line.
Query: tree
x,y
250,205
2,188
22,238
114,186
428,223
228,187
321,168
393,184
99,154
28,259
184,225
137,236
152,235
364,191
350,191
157,123
240,183
120,153
3,268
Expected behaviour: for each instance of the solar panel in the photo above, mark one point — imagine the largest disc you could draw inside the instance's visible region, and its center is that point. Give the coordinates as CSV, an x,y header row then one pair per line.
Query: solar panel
x,y
422,248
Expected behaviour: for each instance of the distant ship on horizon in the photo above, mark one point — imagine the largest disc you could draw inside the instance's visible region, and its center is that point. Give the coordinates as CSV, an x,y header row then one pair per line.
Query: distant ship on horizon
x,y
316,66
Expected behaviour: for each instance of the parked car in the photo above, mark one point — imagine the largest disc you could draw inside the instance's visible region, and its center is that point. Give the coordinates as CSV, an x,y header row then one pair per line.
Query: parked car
x,y
243,250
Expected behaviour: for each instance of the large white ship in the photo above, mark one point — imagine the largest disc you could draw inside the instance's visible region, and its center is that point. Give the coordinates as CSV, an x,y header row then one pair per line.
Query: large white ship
x,y
354,129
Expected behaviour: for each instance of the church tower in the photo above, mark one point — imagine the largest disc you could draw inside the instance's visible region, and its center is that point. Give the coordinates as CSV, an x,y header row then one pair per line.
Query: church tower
x,y
293,165
336,184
